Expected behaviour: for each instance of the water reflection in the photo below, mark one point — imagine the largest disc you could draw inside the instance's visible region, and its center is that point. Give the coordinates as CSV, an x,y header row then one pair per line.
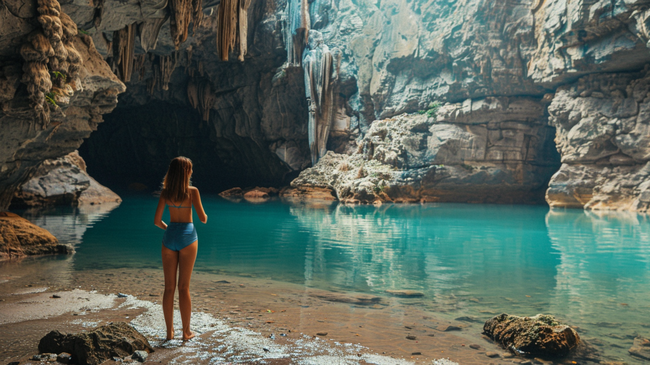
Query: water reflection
x,y
68,224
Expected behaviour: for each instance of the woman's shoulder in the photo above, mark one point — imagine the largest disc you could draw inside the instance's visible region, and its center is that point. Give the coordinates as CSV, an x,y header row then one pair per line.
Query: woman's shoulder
x,y
193,188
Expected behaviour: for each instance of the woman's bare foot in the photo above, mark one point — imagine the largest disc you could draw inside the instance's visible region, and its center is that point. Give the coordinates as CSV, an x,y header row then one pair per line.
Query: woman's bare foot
x,y
170,335
188,337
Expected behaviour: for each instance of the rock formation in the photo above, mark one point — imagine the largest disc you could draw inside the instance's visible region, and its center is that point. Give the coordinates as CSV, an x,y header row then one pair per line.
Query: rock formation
x,y
96,346
495,150
312,77
63,181
541,335
19,238
60,97
603,136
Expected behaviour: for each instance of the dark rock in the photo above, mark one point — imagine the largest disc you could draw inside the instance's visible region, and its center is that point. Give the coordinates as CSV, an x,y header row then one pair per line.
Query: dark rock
x,y
94,347
411,337
321,334
469,319
475,346
140,356
640,348
541,335
406,293
491,354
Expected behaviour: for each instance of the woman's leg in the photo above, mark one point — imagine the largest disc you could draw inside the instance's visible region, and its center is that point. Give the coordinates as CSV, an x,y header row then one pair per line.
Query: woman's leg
x,y
186,259
170,264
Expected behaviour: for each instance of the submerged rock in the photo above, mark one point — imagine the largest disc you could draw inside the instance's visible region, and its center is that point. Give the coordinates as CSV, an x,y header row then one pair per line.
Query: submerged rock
x,y
541,335
94,347
405,293
19,237
640,348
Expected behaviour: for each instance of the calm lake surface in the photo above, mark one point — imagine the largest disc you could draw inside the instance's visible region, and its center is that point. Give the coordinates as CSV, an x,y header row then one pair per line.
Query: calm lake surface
x,y
590,269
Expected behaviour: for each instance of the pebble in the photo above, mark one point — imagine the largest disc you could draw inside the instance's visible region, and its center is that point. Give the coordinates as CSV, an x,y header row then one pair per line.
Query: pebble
x,y
449,328
321,334
266,349
416,353
140,356
411,337
491,354
64,358
121,295
507,355
474,346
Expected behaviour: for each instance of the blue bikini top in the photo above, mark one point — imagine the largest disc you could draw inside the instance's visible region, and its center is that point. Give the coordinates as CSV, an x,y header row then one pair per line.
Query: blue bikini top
x,y
178,206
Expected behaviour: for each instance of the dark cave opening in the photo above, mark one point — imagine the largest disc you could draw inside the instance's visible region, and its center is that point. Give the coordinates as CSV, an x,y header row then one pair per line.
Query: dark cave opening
x,y
131,150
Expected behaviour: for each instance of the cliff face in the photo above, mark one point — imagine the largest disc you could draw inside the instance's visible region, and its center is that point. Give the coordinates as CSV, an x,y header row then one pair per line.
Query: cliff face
x,y
401,56
54,87
256,91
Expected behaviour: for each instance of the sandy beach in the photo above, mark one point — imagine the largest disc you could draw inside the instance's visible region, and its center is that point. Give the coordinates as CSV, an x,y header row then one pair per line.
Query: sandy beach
x,y
237,319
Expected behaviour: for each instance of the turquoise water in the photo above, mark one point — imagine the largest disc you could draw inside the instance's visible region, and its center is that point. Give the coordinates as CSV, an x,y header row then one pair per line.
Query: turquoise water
x,y
590,269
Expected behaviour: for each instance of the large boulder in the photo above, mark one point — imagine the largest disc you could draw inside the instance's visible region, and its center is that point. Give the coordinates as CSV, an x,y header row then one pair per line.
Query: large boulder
x,y
541,335
19,237
63,181
94,347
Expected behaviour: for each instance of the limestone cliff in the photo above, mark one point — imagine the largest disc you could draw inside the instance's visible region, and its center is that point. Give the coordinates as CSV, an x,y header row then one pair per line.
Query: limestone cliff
x,y
55,88
401,56
255,91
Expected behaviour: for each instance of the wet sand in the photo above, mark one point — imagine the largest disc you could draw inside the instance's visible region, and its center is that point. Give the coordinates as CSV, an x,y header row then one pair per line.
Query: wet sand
x,y
236,318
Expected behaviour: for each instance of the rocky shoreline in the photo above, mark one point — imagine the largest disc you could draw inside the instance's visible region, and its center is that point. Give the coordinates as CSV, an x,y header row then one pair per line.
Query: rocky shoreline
x,y
250,318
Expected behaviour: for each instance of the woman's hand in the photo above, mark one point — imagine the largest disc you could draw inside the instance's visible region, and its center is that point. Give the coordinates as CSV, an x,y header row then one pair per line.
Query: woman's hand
x,y
157,218
196,201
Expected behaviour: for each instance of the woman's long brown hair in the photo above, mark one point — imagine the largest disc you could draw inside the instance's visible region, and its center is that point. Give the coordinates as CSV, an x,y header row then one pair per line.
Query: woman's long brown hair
x,y
176,184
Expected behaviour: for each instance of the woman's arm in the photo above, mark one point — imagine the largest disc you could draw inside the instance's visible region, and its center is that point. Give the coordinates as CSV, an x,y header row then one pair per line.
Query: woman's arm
x,y
196,201
157,219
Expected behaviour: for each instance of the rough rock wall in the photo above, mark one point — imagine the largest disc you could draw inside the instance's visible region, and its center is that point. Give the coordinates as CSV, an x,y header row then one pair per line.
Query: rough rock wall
x,y
603,133
54,87
495,151
400,56
242,123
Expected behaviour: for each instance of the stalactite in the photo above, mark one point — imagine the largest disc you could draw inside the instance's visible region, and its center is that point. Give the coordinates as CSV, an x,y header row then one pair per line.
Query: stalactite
x,y
139,65
321,70
297,32
197,14
201,97
51,52
167,66
232,28
149,31
123,51
181,16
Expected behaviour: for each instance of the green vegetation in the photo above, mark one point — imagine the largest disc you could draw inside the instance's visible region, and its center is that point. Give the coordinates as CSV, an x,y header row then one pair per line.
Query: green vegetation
x,y
466,167
49,97
58,75
432,110
82,31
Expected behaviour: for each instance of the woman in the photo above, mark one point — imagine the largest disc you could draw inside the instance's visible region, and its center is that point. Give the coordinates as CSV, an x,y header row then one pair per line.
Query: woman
x,y
180,242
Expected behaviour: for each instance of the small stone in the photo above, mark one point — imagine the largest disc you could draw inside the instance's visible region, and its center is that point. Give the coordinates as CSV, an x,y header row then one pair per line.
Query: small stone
x,y
475,346
416,353
491,354
55,296
449,328
121,295
139,356
406,293
64,358
507,355
266,349
321,334
411,337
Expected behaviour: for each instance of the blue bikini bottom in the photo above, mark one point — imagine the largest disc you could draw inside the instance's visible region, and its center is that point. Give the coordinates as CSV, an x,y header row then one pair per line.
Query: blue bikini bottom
x,y
179,235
